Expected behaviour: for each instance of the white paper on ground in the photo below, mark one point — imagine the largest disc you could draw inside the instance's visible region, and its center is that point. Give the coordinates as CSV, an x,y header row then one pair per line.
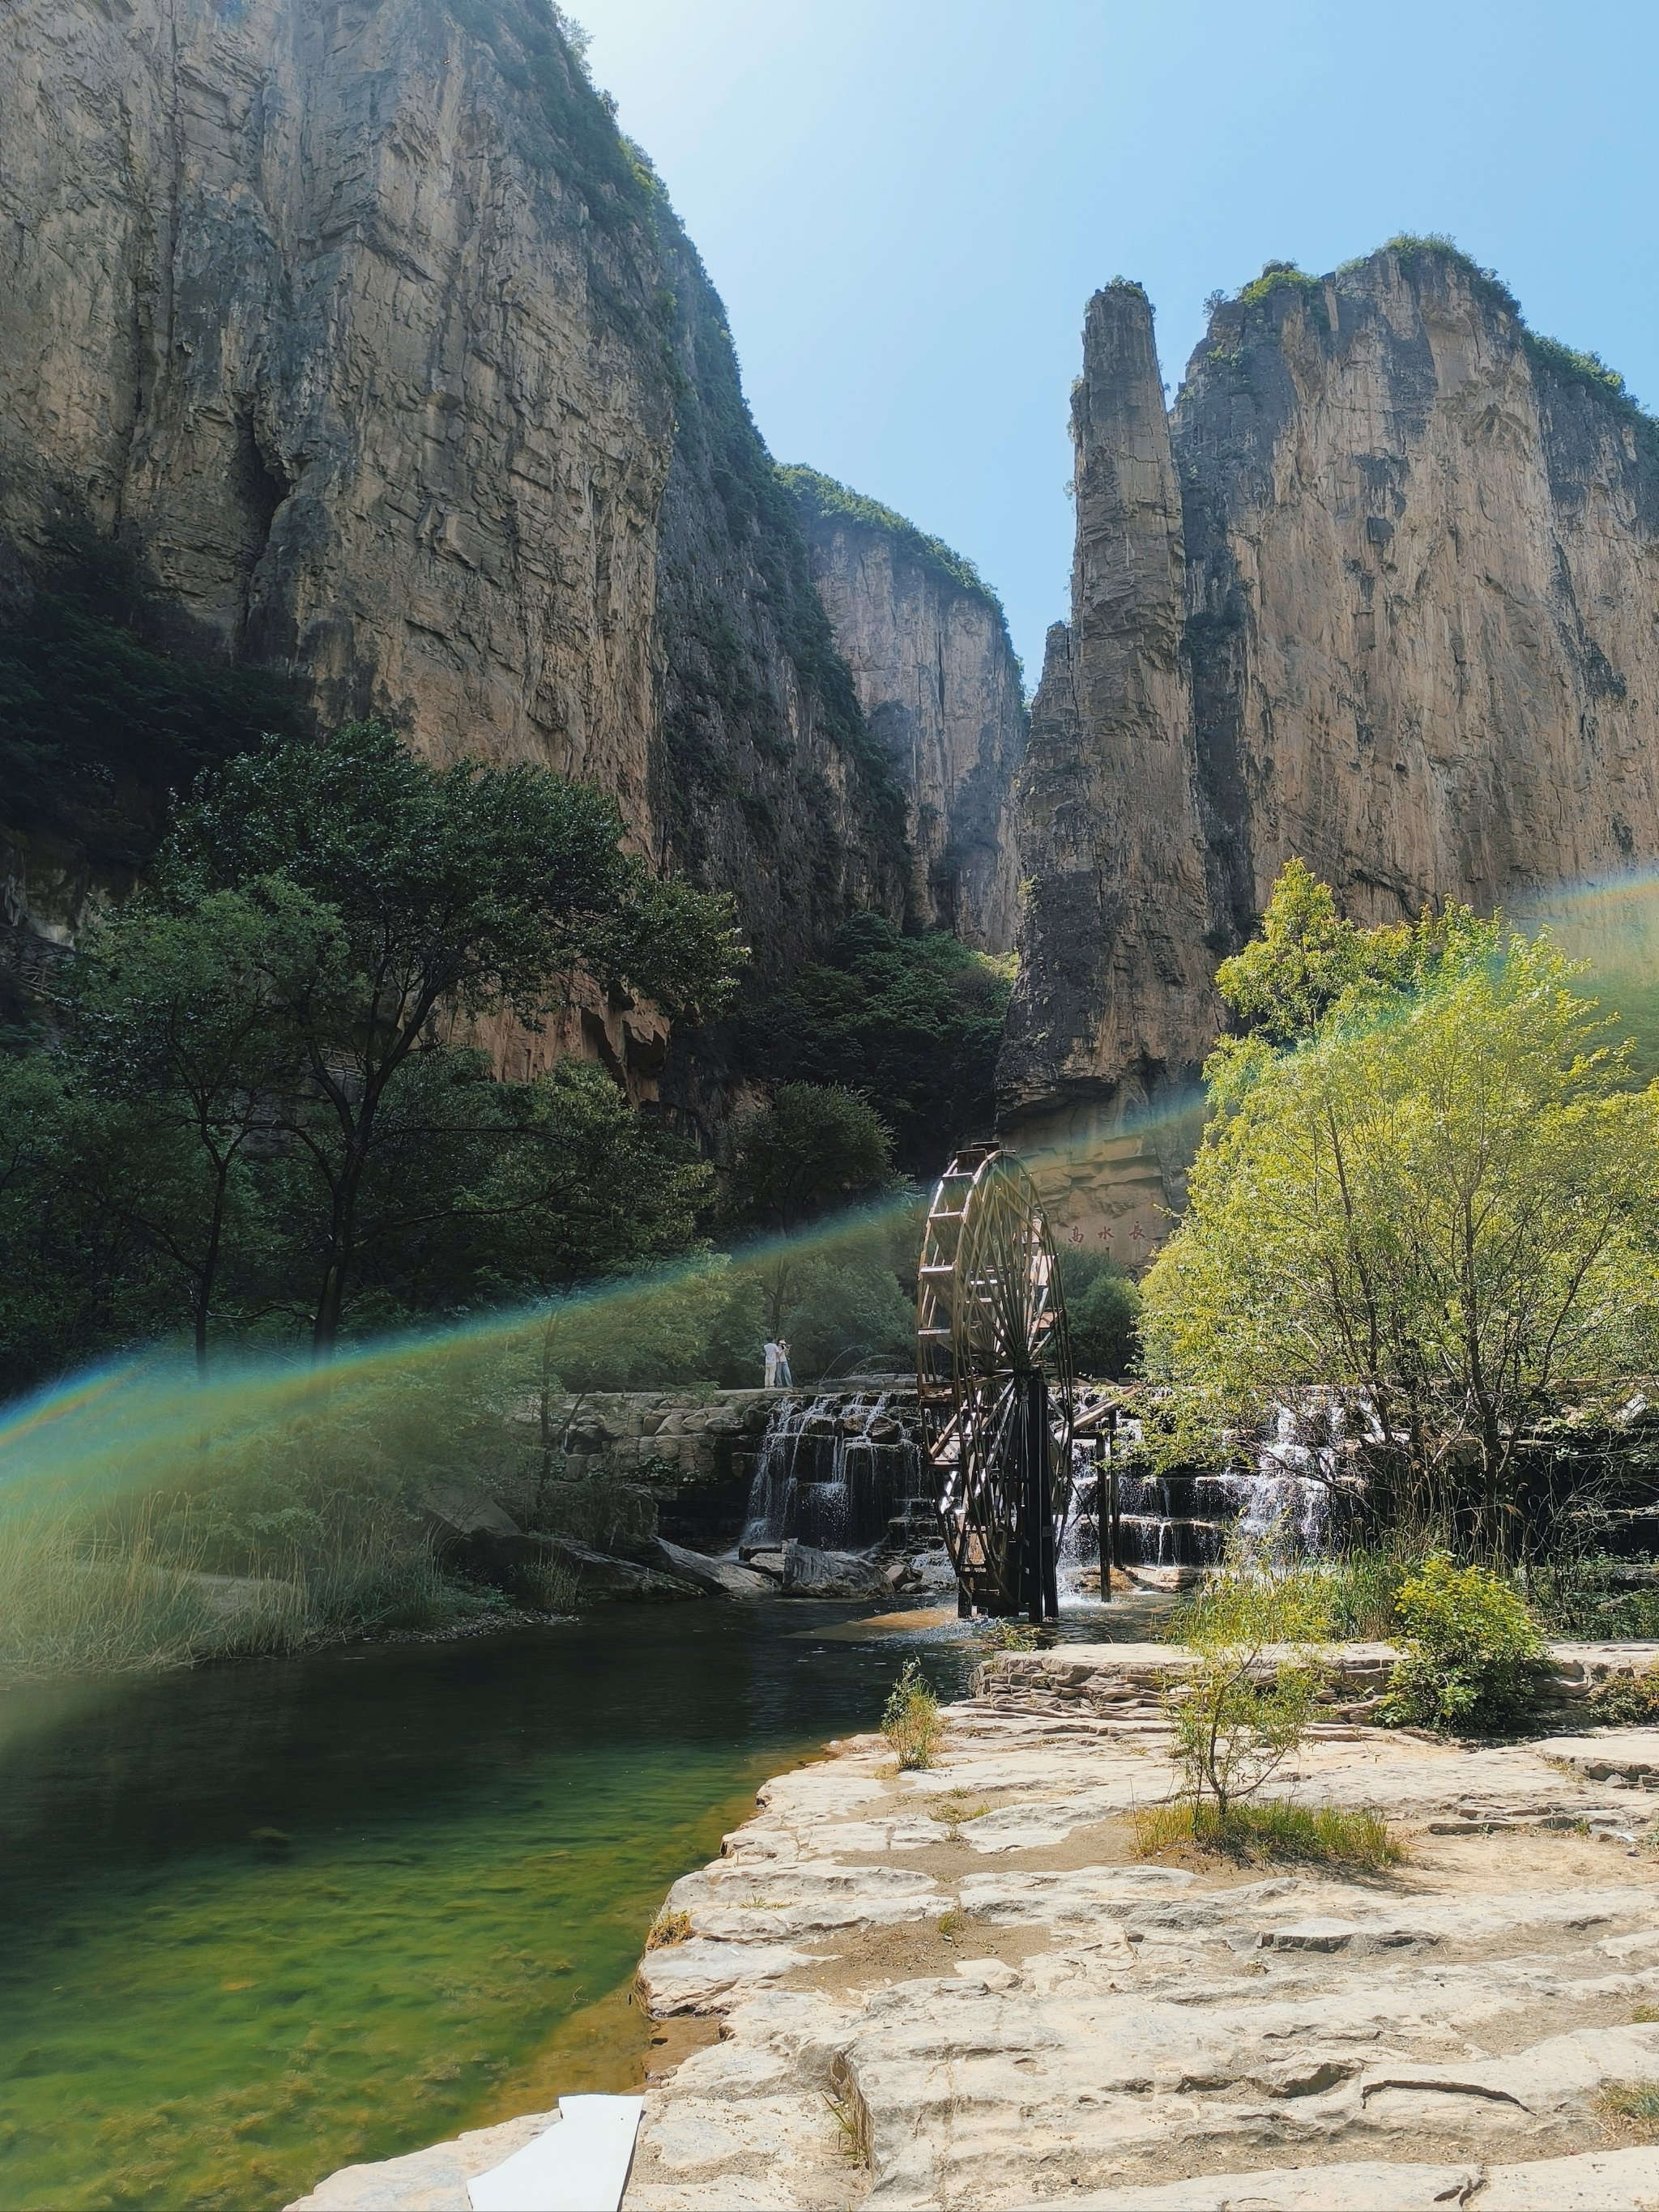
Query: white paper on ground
x,y
578,2164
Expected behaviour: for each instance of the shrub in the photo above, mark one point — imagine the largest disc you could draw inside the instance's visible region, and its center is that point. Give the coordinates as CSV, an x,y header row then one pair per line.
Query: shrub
x,y
1474,1658
910,1721
1319,1835
1626,1701
1579,1597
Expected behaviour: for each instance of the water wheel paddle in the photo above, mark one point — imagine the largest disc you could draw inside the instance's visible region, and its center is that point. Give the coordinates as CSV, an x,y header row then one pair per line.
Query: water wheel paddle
x,y
993,1377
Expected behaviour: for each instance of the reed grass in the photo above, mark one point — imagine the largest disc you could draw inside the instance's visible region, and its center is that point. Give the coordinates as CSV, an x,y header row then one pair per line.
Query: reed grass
x,y
80,1598
1271,1828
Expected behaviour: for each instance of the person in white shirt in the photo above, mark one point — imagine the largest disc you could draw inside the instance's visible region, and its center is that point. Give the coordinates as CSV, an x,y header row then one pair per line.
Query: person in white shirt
x,y
773,1353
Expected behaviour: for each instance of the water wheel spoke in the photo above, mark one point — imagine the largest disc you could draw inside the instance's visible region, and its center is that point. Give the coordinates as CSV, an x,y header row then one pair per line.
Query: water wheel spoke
x,y
994,1380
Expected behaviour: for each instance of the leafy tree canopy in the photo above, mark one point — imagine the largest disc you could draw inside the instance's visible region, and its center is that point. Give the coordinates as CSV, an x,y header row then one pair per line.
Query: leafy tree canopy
x,y
911,1023
817,1145
478,886
452,890
1442,1198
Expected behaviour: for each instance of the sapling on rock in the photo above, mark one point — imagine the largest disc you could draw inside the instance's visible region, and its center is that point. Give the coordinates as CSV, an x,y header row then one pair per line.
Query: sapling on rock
x,y
1241,1712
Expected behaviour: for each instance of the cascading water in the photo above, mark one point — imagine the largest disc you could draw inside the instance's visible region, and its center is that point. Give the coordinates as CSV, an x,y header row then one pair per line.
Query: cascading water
x,y
833,1470
1290,1500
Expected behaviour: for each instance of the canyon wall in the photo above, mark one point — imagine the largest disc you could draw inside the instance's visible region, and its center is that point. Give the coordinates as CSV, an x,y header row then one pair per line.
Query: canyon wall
x,y
1382,591
363,323
942,691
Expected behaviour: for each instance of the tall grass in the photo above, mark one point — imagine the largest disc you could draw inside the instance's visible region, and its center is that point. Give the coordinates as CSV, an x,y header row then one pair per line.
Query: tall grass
x,y
910,1721
1271,1829
76,1599
1354,1598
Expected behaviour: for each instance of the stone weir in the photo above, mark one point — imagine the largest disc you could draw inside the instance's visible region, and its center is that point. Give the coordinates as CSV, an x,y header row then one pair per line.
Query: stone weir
x,y
838,1467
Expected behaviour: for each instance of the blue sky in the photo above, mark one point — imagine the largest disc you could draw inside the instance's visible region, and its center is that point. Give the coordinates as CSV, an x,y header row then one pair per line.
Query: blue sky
x,y
905,204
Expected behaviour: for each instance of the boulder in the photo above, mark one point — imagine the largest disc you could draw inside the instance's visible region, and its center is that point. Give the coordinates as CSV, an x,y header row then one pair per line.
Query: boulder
x,y
716,1577
599,1574
809,1572
453,1511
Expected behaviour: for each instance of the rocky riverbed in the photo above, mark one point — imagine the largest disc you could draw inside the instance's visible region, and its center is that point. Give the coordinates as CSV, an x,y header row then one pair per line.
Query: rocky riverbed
x,y
961,1988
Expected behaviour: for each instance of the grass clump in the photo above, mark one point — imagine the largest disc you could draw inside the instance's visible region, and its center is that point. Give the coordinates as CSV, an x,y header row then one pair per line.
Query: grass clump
x,y
1636,2104
910,1721
1271,1829
1365,1586
1012,1635
548,1586
1474,1660
667,1929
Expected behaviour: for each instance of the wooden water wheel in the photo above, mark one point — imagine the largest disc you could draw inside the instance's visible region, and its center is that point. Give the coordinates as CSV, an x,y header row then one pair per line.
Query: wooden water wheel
x,y
993,1374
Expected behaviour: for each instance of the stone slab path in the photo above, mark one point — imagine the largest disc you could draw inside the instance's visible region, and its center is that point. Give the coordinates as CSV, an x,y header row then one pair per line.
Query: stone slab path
x,y
960,1988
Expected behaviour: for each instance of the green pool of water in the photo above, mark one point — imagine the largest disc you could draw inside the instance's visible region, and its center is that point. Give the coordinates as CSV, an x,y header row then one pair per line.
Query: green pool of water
x,y
258,1922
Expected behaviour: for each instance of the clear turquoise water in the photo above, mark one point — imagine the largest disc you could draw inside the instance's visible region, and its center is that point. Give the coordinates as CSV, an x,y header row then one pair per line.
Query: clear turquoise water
x,y
261,1921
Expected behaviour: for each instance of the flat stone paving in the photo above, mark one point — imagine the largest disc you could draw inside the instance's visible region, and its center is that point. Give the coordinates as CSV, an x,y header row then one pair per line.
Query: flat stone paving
x,y
959,1988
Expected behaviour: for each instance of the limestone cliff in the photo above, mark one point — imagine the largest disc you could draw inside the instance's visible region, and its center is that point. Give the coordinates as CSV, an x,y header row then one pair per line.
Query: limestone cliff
x,y
942,691
1382,591
363,322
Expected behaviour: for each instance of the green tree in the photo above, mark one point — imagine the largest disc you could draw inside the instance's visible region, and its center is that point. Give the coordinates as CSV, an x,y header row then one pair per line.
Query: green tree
x,y
1102,1313
911,1023
176,1018
78,1276
1442,1200
816,1147
457,891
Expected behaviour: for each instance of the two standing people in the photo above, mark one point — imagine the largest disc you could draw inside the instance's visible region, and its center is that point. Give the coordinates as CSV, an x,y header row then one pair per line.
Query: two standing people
x,y
778,1377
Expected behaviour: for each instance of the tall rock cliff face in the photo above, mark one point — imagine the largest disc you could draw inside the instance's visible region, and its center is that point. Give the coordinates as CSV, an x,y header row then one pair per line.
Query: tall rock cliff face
x,y
1383,591
363,320
942,691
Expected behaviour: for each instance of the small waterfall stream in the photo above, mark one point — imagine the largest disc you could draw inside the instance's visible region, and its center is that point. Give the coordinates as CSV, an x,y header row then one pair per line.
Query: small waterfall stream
x,y
835,1470
1291,1494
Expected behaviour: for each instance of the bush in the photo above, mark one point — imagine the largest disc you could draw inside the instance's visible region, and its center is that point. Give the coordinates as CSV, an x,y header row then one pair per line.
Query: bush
x,y
1626,1701
910,1721
1474,1660
1578,1597
1318,1835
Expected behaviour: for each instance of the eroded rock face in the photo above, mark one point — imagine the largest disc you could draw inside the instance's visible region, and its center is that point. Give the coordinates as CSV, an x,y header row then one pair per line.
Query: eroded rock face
x,y
940,686
364,323
1383,592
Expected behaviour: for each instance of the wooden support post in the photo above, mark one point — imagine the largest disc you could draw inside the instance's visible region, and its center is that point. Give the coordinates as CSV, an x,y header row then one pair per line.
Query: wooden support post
x,y
1105,1476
